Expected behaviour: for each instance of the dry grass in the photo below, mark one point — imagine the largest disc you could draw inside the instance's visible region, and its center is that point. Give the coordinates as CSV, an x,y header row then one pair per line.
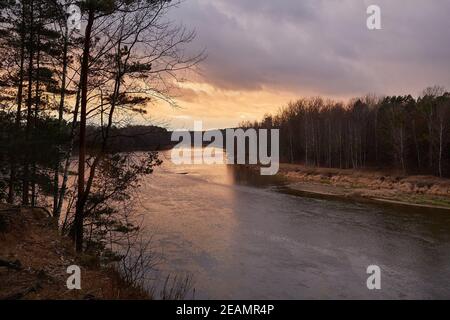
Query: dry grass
x,y
31,237
371,184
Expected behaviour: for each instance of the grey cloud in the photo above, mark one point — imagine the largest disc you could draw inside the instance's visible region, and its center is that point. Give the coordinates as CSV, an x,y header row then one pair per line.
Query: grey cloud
x,y
321,46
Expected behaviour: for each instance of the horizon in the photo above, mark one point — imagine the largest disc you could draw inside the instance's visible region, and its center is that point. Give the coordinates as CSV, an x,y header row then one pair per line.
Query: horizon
x,y
304,54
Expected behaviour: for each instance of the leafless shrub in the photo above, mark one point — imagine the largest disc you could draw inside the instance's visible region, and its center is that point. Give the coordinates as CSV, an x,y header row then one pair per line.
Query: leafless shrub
x,y
137,262
177,288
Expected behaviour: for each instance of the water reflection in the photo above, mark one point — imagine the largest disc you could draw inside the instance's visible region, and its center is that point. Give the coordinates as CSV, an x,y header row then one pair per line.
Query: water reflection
x,y
243,175
242,239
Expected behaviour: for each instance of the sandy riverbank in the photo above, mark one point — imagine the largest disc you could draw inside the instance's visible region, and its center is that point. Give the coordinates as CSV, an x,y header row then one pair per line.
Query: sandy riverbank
x,y
379,186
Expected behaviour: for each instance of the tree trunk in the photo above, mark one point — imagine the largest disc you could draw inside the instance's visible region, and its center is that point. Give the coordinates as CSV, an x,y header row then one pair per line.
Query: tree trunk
x,y
416,144
56,213
291,146
79,213
63,190
430,140
12,177
26,178
36,114
441,145
306,142
402,150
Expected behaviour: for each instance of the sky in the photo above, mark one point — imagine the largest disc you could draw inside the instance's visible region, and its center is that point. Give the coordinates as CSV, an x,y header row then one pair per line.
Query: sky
x,y
261,54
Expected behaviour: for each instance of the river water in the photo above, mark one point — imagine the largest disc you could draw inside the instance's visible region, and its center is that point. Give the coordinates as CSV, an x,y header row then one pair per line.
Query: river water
x,y
241,237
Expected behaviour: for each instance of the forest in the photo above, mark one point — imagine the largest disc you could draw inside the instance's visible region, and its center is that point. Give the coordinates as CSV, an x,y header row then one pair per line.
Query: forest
x,y
403,133
67,102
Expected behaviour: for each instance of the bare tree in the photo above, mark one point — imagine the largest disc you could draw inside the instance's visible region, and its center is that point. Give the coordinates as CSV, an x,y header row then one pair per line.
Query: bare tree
x,y
134,58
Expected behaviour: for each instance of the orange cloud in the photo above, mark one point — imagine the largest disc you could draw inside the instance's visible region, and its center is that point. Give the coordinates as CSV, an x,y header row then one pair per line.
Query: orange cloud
x,y
219,108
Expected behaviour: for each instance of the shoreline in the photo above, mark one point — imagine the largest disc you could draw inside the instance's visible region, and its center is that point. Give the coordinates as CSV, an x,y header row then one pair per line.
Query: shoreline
x,y
374,186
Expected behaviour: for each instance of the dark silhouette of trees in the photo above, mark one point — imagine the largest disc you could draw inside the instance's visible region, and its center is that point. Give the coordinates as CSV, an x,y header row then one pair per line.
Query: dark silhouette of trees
x,y
399,132
119,65
27,83
54,81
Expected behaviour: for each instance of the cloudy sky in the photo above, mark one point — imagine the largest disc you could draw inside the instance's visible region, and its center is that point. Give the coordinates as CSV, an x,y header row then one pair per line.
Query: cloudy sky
x,y
264,53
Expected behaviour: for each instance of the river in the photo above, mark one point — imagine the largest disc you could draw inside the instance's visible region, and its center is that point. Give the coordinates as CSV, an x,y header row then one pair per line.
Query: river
x,y
241,237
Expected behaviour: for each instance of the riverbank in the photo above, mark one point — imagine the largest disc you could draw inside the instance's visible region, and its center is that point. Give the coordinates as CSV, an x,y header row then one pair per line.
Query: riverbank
x,y
391,188
34,259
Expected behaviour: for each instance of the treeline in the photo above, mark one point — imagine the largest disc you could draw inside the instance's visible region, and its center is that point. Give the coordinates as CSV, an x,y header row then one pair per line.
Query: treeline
x,y
66,92
401,132
30,137
132,138
28,157
48,141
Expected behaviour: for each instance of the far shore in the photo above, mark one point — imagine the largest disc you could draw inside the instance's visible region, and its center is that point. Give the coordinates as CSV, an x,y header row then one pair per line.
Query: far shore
x,y
380,186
